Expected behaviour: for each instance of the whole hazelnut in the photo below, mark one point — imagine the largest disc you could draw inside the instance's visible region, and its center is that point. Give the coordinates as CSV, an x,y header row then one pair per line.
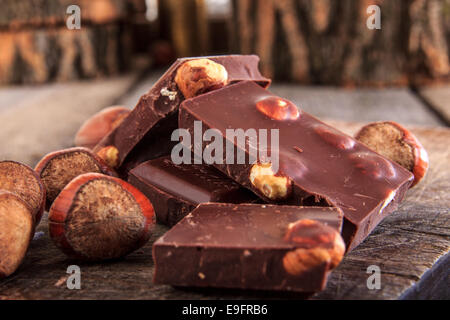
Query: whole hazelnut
x,y
99,217
398,144
58,168
198,76
23,181
99,125
272,186
16,231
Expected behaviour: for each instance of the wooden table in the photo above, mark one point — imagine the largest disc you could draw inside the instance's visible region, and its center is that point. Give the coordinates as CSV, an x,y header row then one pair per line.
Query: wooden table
x,y
411,246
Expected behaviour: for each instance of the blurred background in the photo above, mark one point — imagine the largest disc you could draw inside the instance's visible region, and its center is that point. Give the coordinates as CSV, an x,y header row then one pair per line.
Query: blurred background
x,y
304,41
321,54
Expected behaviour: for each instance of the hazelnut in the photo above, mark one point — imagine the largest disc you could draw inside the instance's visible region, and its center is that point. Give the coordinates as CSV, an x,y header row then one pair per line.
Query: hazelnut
x,y
17,228
299,261
272,186
99,125
334,137
99,217
277,108
58,168
110,155
398,144
23,181
372,165
318,244
198,76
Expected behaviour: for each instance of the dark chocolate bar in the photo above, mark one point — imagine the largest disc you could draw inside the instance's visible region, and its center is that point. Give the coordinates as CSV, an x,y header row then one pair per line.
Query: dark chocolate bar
x,y
175,190
317,163
145,133
251,246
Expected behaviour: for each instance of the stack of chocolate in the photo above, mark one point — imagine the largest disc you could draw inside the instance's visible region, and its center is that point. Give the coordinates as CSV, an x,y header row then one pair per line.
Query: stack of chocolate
x,y
248,224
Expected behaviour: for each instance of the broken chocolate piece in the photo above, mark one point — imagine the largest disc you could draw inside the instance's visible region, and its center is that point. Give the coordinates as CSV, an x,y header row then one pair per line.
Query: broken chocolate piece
x,y
145,133
251,246
333,169
175,190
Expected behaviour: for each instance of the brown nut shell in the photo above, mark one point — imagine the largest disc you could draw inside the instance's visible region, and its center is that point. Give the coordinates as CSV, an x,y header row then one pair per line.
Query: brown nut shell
x,y
99,217
398,144
22,180
17,228
316,244
58,168
99,125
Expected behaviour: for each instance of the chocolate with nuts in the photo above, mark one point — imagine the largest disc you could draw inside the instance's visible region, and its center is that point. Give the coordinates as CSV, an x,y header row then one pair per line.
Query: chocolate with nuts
x,y
145,133
175,190
251,246
330,169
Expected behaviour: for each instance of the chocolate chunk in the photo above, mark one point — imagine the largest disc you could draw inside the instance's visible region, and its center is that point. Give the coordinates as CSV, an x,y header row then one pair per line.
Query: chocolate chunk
x,y
145,133
251,246
332,168
175,190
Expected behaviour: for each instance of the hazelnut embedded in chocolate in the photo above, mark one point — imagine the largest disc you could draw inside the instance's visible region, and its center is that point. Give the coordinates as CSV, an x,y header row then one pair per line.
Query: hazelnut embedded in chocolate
x,y
199,76
314,237
398,144
274,187
277,108
110,155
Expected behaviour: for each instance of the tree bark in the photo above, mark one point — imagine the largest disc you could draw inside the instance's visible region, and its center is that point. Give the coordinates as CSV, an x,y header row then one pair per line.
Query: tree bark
x,y
328,42
43,13
60,54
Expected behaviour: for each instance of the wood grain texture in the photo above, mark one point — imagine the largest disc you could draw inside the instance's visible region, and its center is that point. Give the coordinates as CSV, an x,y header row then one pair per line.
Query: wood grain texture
x,y
411,247
60,54
38,120
438,97
44,13
328,42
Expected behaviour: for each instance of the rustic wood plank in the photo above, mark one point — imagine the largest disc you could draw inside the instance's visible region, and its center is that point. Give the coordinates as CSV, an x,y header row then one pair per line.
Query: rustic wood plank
x,y
438,97
37,120
360,105
351,105
405,246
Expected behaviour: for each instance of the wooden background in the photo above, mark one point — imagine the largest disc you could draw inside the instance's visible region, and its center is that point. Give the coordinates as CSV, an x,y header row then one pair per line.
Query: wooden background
x,y
304,41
